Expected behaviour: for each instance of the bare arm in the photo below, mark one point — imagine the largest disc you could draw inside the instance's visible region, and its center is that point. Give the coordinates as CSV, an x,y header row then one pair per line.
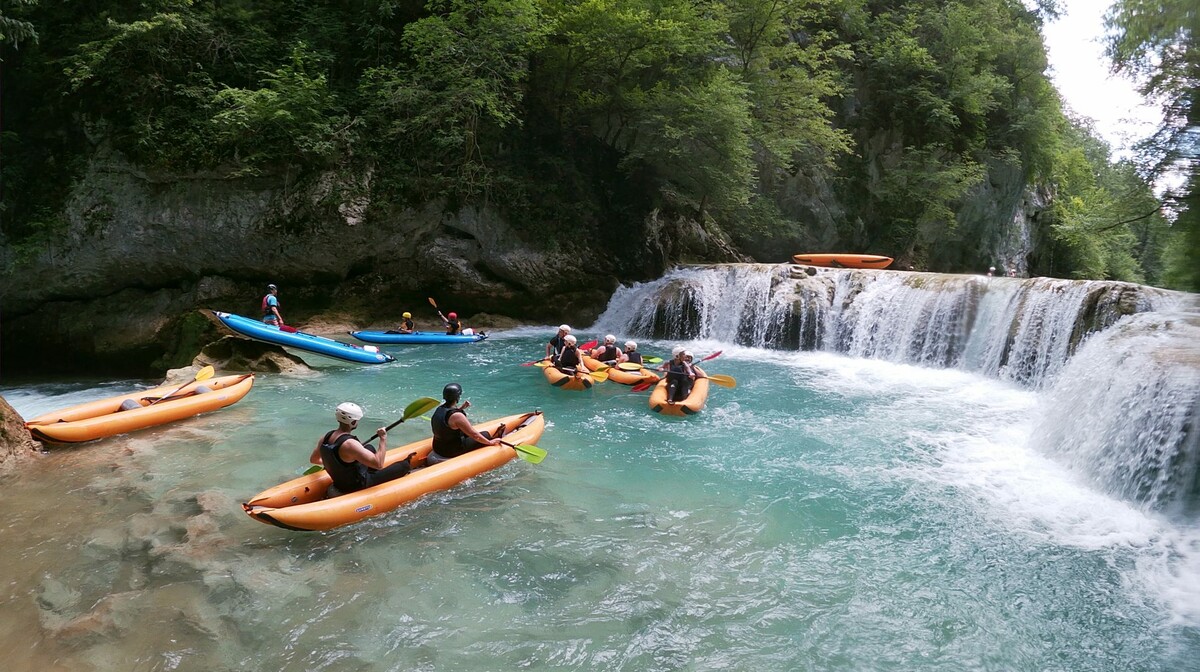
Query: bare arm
x,y
315,458
462,424
360,453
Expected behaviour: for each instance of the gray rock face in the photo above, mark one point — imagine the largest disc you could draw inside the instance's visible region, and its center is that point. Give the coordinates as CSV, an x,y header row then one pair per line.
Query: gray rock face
x,y
140,253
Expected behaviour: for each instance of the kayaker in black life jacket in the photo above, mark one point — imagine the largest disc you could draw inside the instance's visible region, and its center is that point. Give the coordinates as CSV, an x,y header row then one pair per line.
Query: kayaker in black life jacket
x,y
631,354
352,465
570,360
557,343
679,376
608,352
453,434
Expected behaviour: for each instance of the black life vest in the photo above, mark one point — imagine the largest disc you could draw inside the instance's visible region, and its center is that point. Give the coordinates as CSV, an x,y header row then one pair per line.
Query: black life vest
x,y
610,354
447,441
568,358
347,476
635,357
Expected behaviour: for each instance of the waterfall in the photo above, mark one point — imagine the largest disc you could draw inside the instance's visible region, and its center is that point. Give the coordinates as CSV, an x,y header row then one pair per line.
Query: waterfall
x,y
1124,411
1017,330
1119,364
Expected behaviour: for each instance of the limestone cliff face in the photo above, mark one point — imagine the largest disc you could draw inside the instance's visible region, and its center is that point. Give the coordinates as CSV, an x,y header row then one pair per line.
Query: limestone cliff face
x,y
139,253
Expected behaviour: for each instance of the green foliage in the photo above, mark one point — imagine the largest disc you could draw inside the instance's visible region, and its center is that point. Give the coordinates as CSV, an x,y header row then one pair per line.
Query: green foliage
x,y
881,115
1155,41
293,116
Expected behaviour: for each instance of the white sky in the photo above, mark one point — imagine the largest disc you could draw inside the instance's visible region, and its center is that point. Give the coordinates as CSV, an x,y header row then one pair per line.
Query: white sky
x,y
1080,71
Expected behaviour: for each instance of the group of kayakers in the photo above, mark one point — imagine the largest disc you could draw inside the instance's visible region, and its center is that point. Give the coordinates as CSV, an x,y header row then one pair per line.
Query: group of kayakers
x,y
272,316
563,353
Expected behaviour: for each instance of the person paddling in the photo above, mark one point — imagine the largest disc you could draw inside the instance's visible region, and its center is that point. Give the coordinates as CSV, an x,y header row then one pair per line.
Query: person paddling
x,y
680,376
352,465
453,326
570,360
406,326
631,354
270,307
557,343
607,353
453,433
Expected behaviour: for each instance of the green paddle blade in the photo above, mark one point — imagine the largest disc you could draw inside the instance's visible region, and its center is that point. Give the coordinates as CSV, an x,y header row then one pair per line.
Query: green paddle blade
x,y
652,360
419,407
527,451
312,470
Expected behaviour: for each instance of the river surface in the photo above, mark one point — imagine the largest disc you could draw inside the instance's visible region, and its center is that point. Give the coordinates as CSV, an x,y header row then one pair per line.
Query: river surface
x,y
829,513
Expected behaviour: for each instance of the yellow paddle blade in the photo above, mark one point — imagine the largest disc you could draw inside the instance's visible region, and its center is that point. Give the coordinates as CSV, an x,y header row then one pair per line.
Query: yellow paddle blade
x,y
629,366
600,376
205,373
723,380
542,364
432,302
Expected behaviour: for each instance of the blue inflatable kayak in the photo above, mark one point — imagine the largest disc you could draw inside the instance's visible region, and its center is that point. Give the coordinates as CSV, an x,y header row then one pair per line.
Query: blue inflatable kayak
x,y
416,338
302,341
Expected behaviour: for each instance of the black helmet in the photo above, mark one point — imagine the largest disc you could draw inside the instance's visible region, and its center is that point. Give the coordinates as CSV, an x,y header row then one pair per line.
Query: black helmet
x,y
452,392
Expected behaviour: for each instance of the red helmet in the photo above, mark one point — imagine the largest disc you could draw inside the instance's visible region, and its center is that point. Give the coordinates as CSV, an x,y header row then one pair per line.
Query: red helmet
x,y
452,315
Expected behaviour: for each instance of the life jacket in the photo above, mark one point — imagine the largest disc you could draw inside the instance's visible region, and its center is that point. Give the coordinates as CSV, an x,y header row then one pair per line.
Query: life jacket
x,y
610,354
568,358
347,476
452,327
635,357
447,441
266,308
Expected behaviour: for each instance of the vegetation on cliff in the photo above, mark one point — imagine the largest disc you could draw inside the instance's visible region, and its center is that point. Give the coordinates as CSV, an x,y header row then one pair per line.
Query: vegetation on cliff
x,y
855,124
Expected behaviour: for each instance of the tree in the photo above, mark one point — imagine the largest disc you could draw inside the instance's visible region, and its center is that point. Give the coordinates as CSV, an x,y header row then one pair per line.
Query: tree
x,y
1155,42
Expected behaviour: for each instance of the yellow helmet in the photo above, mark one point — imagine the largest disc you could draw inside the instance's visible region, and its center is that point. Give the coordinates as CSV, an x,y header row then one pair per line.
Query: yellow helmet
x,y
407,315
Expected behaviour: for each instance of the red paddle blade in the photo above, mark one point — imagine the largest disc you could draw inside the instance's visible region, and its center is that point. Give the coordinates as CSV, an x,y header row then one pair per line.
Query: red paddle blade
x,y
286,329
712,355
642,387
588,346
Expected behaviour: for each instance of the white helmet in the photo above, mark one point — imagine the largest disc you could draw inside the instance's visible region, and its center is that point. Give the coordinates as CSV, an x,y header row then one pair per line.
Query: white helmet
x,y
610,339
687,354
630,345
565,327
569,339
348,413
676,350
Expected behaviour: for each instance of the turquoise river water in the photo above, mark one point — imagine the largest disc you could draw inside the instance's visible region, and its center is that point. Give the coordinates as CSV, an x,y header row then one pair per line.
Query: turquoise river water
x,y
830,513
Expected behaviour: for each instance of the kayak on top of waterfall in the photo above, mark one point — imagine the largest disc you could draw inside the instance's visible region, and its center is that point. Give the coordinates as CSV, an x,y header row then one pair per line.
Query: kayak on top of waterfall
x,y
840,260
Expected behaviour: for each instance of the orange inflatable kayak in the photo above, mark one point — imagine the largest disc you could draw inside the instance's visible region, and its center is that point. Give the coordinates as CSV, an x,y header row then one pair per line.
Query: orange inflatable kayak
x,y
843,260
104,417
622,376
579,381
300,504
689,406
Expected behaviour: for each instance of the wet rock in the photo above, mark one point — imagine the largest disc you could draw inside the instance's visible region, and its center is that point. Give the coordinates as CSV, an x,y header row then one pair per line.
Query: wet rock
x,y
15,442
236,354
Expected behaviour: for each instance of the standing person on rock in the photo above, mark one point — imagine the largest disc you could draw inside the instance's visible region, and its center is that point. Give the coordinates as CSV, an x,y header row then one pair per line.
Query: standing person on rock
x,y
270,307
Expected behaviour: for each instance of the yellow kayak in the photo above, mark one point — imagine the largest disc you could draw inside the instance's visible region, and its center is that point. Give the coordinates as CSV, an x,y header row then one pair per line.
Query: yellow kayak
x,y
578,381
689,406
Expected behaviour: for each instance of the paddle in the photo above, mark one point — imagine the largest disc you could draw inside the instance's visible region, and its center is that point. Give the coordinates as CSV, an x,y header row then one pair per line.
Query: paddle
x,y
642,387
203,374
720,379
434,304
527,451
652,360
288,330
416,408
